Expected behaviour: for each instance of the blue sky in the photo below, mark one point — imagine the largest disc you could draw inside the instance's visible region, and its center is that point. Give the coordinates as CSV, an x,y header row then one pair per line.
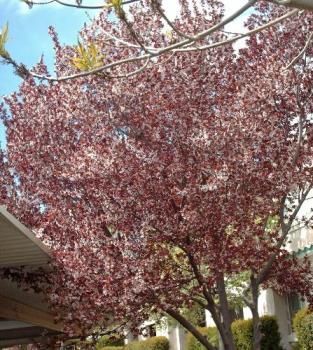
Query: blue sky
x,y
29,39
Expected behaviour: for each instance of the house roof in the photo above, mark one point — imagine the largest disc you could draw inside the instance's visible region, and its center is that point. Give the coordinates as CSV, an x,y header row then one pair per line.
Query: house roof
x,y
18,245
24,315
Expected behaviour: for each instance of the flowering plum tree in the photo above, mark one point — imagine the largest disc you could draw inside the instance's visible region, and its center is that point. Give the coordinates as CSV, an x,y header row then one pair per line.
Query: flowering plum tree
x,y
153,190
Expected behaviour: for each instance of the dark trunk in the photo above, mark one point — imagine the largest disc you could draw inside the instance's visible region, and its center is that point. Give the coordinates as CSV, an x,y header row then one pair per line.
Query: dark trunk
x,y
257,335
228,338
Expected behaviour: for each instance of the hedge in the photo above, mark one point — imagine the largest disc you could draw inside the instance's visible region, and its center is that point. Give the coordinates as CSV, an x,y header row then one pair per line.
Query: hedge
x,y
303,326
153,343
193,344
243,334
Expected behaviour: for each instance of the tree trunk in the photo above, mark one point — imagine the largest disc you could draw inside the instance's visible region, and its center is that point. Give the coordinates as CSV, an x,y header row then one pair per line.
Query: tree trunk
x,y
220,342
228,340
257,335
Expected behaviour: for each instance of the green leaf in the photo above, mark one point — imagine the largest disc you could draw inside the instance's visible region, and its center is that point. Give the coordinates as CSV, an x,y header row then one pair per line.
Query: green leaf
x,y
87,57
117,4
3,40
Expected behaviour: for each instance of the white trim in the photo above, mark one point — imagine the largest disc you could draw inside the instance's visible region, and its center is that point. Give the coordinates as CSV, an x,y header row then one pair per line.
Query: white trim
x,y
23,230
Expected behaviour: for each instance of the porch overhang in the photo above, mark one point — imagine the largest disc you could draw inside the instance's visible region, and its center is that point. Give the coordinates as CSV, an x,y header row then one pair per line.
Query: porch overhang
x,y
24,315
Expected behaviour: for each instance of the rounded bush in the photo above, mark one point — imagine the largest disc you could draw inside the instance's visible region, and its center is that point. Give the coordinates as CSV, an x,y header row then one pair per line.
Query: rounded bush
x,y
303,326
271,336
243,334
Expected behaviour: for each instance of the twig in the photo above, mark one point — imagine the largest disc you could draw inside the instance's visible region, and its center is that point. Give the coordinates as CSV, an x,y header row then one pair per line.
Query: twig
x,y
127,75
139,41
127,44
88,7
157,7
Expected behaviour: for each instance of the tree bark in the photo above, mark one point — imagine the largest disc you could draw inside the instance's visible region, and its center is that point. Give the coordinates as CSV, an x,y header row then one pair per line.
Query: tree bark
x,y
257,335
211,307
228,340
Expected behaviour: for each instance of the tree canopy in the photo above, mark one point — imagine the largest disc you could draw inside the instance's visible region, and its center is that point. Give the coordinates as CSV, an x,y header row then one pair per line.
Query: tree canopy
x,y
152,190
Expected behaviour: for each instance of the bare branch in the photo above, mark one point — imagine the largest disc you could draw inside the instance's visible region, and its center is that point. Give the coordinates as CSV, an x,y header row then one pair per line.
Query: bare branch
x,y
241,36
157,7
128,44
127,75
86,7
301,53
132,32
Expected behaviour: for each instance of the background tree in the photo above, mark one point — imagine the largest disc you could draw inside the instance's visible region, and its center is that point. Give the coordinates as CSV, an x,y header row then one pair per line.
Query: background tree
x,y
151,191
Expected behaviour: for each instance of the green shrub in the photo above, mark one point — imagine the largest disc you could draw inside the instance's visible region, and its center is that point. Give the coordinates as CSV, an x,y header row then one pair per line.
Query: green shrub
x,y
269,328
303,326
153,343
110,341
295,346
112,348
193,344
243,334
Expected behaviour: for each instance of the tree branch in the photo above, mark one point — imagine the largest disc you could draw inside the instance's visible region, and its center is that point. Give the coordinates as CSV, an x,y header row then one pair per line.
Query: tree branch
x,y
82,7
158,8
285,231
193,330
127,75
241,36
211,306
301,53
